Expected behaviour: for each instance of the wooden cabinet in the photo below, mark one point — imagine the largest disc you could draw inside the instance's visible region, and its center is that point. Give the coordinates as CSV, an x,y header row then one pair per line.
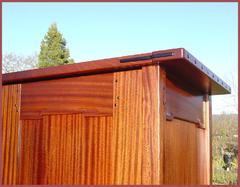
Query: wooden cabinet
x,y
140,119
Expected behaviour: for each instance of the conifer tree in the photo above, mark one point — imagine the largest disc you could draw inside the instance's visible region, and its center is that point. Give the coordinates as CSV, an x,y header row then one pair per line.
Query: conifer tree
x,y
53,50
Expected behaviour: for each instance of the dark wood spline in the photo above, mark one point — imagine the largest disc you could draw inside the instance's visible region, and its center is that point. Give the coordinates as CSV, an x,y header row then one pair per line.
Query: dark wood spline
x,y
157,55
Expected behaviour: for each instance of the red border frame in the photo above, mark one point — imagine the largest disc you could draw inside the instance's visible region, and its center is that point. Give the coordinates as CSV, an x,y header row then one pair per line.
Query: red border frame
x,y
236,1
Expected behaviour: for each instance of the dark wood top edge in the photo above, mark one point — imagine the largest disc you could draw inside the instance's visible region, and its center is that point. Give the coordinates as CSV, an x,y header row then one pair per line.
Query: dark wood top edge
x,y
117,64
95,66
201,67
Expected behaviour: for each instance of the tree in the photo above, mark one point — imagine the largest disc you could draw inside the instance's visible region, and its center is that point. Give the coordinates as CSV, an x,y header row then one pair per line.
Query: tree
x,y
12,62
53,50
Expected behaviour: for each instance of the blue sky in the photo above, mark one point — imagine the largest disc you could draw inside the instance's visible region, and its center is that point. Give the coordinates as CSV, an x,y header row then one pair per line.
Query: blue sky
x,y
103,30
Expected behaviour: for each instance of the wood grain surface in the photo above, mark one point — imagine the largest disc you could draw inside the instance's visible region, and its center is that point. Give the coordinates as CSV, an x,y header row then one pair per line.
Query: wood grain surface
x,y
10,128
127,120
95,66
66,149
204,144
180,62
181,153
187,150
162,110
110,148
91,93
182,101
105,129
151,125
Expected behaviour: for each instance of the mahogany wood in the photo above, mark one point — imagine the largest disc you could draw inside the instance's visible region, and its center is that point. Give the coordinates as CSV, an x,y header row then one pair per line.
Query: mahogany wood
x,y
91,93
151,124
107,128
95,66
187,150
10,127
117,160
66,149
181,153
162,116
128,128
204,145
183,102
181,63
212,86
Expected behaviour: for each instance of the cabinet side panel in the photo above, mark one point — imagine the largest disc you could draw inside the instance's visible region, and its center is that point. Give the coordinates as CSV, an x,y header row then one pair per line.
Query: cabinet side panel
x,y
187,153
180,153
10,126
128,128
187,147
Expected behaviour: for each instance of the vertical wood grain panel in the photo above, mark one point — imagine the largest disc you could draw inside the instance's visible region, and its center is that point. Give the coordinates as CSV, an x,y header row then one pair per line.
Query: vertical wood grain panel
x,y
66,149
151,124
180,153
98,150
10,126
163,109
204,145
128,127
187,149
29,159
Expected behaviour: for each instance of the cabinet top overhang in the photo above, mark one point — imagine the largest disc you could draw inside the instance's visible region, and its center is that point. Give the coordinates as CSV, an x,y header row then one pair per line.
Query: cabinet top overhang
x,y
178,62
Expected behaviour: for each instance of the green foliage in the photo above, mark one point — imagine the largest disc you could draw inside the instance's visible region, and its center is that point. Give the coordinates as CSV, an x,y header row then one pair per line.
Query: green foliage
x,y
225,177
223,140
53,49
